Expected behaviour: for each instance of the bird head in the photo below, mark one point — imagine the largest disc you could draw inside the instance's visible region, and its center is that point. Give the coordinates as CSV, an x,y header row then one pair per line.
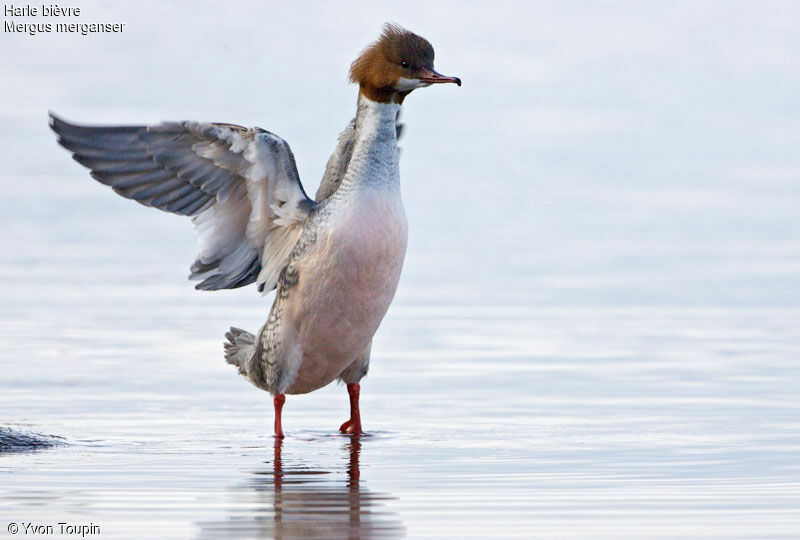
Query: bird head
x,y
397,63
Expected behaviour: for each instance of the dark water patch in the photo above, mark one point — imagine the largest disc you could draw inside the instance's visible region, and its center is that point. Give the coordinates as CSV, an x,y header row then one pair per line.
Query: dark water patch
x,y
12,440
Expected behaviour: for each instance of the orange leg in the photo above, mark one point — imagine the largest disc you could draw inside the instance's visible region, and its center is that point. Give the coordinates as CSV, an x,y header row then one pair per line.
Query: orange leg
x,y
278,400
353,425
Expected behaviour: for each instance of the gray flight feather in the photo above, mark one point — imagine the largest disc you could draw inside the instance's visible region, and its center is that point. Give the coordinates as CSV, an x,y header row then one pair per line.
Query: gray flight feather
x,y
205,171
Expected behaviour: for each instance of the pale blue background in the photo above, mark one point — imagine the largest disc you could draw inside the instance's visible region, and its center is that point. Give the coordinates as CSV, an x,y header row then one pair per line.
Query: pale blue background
x,y
598,328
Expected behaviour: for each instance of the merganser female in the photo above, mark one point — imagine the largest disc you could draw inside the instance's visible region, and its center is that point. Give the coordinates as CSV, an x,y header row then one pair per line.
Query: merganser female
x,y
335,261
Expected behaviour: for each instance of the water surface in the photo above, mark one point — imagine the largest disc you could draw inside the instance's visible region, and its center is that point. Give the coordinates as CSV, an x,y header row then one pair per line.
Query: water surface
x,y
596,334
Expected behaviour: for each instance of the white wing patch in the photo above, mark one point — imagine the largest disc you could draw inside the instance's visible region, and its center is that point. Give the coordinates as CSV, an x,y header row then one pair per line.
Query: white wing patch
x,y
279,208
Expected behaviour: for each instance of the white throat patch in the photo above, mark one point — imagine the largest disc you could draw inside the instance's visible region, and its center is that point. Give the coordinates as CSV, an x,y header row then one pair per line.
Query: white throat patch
x,y
406,85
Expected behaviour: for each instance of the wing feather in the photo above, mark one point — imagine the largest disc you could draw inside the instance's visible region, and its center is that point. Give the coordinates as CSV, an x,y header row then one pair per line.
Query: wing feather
x,y
337,164
240,187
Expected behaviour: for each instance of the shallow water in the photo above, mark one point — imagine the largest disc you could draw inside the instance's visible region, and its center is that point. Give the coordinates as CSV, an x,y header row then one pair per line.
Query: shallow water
x,y
596,334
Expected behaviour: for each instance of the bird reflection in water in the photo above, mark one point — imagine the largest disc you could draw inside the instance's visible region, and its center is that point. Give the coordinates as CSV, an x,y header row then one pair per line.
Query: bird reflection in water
x,y
293,501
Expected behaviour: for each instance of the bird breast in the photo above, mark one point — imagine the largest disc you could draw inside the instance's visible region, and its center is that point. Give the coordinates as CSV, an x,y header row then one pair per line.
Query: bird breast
x,y
346,282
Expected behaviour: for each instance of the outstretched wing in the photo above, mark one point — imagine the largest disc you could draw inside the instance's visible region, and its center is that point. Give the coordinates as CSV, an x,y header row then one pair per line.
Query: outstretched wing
x,y
240,186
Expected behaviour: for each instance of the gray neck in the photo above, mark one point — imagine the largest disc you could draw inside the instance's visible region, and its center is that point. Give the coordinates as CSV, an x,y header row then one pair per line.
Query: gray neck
x,y
375,159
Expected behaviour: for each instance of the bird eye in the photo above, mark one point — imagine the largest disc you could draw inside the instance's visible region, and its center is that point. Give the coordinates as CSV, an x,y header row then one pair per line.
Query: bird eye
x,y
404,64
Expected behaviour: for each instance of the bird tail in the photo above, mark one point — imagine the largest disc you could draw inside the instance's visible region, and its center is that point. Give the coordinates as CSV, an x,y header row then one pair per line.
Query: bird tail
x,y
239,347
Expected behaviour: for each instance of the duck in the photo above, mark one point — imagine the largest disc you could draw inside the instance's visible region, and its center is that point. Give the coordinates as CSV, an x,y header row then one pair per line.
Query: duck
x,y
334,261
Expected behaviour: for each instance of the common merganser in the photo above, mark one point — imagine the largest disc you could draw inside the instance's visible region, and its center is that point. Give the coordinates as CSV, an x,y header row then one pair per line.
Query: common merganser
x,y
335,262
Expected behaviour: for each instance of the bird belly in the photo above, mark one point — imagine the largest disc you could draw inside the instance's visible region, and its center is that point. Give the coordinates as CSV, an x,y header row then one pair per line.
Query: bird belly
x,y
346,282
